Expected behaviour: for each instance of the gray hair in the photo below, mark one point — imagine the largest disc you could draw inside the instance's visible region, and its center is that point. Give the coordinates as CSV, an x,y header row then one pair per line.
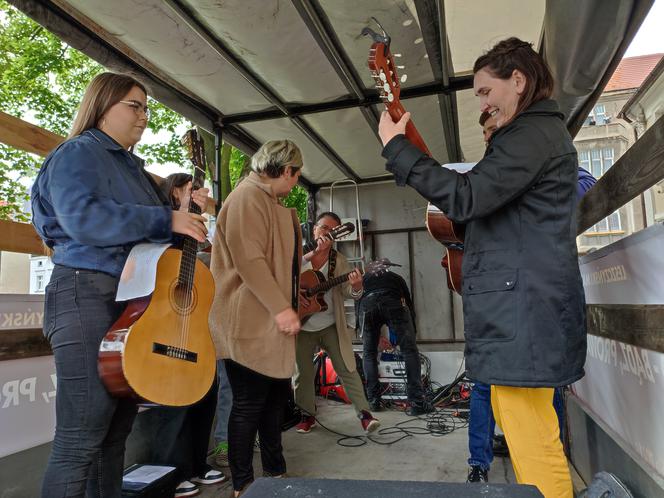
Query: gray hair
x,y
275,156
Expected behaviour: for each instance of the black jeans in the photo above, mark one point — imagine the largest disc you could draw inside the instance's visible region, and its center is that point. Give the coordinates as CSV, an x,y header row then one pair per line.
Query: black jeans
x,y
182,436
386,308
258,406
91,426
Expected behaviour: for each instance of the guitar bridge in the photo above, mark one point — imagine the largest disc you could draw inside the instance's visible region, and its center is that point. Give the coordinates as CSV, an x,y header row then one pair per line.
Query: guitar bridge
x,y
174,352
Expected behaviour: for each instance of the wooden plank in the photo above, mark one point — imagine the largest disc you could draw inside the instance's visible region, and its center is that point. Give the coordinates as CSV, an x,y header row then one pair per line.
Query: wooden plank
x,y
638,325
641,167
25,136
23,343
20,237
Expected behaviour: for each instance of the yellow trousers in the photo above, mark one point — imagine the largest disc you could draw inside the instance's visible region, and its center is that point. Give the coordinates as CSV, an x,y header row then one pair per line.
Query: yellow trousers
x,y
529,422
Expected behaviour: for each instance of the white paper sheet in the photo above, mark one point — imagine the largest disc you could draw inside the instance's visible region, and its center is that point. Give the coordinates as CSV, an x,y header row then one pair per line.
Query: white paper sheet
x,y
140,271
459,167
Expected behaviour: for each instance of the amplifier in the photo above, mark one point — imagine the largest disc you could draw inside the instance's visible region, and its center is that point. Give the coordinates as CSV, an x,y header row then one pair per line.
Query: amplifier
x,y
392,376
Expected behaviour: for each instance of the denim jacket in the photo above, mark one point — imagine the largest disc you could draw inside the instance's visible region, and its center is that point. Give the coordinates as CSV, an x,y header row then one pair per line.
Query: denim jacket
x,y
92,202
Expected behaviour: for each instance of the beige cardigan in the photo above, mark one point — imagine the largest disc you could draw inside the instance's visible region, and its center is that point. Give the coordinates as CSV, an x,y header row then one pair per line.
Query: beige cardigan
x,y
252,265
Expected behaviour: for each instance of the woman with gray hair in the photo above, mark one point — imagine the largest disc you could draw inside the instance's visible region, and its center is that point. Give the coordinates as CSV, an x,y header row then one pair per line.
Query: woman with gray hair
x,y
256,256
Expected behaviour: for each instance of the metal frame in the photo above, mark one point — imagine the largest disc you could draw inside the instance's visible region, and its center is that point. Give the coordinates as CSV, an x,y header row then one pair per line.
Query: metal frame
x,y
258,84
319,27
435,40
371,97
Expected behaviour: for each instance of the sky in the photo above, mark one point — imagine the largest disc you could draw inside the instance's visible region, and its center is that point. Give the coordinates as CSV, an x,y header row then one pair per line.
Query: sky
x,y
649,39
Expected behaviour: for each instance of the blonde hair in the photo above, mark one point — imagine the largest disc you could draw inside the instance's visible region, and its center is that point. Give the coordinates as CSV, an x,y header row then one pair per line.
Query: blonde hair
x,y
104,91
275,156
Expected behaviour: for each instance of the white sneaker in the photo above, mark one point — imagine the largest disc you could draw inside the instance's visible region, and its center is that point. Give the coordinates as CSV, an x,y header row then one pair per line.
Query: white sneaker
x,y
210,476
186,488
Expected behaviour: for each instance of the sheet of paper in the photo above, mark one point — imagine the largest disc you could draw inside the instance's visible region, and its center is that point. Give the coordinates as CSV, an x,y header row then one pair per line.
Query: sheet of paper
x,y
146,474
459,167
140,271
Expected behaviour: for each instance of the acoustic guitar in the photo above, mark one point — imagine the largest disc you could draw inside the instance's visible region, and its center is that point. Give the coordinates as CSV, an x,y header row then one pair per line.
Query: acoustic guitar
x,y
314,285
384,72
335,234
160,349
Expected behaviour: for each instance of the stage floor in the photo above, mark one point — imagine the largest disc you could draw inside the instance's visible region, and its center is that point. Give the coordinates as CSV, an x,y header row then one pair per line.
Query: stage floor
x,y
416,458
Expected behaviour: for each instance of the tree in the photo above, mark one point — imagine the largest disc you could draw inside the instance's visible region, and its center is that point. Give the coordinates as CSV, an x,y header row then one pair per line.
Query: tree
x,y
43,79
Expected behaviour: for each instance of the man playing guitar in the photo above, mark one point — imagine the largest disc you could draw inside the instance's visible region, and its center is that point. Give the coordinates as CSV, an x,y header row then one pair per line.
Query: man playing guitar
x,y
328,330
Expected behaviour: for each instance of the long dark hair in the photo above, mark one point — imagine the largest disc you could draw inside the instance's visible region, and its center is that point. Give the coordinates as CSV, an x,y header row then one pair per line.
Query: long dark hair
x,y
170,183
104,91
511,54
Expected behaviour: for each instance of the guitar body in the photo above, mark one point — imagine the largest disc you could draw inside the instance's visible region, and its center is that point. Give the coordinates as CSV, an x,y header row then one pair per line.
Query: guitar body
x,y
308,280
449,234
160,349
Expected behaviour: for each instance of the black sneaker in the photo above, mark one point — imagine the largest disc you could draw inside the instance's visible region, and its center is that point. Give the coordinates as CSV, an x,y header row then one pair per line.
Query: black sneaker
x,y
422,408
477,474
500,446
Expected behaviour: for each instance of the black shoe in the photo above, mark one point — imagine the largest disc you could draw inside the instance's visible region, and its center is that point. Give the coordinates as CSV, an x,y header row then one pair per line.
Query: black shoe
x,y
417,409
500,446
376,405
477,474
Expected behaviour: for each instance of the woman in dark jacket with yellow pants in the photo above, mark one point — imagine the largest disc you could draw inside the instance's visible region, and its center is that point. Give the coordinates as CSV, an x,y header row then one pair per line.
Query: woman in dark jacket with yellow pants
x,y
524,309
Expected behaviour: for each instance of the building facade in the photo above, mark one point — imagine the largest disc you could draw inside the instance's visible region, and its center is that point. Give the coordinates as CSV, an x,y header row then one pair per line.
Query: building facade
x,y
605,136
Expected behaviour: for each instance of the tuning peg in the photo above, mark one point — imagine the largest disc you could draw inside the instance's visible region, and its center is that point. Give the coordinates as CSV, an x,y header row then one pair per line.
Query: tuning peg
x,y
390,97
401,67
386,87
404,77
382,76
396,55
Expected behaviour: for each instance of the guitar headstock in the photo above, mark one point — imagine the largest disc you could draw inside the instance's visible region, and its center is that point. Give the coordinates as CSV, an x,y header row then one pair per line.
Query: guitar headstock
x,y
341,231
382,66
384,72
379,266
193,141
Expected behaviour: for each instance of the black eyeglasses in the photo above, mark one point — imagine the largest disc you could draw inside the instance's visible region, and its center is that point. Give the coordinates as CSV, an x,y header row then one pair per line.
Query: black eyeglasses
x,y
138,107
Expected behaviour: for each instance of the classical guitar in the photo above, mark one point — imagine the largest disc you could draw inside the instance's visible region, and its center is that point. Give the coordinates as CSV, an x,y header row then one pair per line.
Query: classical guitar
x,y
384,72
335,234
314,285
160,349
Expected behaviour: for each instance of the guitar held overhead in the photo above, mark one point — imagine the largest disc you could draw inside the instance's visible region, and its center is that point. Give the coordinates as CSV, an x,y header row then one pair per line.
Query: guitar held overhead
x,y
384,72
160,349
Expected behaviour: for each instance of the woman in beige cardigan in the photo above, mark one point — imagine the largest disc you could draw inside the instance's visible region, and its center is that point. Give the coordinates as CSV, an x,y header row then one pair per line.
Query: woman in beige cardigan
x,y
256,258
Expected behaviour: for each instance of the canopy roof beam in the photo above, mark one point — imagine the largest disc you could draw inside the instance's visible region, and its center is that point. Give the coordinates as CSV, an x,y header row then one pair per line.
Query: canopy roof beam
x,y
371,98
319,27
255,81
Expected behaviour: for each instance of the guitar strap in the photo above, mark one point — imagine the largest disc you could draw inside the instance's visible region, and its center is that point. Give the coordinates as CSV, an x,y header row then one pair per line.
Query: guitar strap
x,y
331,263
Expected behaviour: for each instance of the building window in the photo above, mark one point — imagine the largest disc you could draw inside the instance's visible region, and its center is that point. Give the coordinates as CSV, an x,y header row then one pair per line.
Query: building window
x,y
39,280
597,161
597,116
609,224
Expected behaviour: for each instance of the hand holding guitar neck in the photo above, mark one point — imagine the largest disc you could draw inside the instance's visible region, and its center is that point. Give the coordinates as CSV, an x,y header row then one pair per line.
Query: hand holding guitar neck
x,y
324,242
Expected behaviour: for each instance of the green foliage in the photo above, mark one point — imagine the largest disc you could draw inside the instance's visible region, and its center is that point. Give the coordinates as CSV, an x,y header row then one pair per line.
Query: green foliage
x,y
297,198
42,80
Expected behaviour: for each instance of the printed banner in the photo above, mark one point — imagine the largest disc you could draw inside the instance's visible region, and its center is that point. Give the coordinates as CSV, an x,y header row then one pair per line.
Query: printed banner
x,y
624,384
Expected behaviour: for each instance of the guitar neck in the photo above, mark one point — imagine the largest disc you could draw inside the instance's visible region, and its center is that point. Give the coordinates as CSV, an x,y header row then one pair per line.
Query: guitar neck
x,y
328,284
396,111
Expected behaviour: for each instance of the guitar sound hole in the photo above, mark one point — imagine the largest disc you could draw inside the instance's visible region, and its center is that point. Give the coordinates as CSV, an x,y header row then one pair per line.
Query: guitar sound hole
x,y
182,298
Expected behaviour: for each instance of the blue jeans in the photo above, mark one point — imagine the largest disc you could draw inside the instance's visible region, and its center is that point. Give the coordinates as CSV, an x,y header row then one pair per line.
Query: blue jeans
x,y
224,404
87,457
376,309
481,424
